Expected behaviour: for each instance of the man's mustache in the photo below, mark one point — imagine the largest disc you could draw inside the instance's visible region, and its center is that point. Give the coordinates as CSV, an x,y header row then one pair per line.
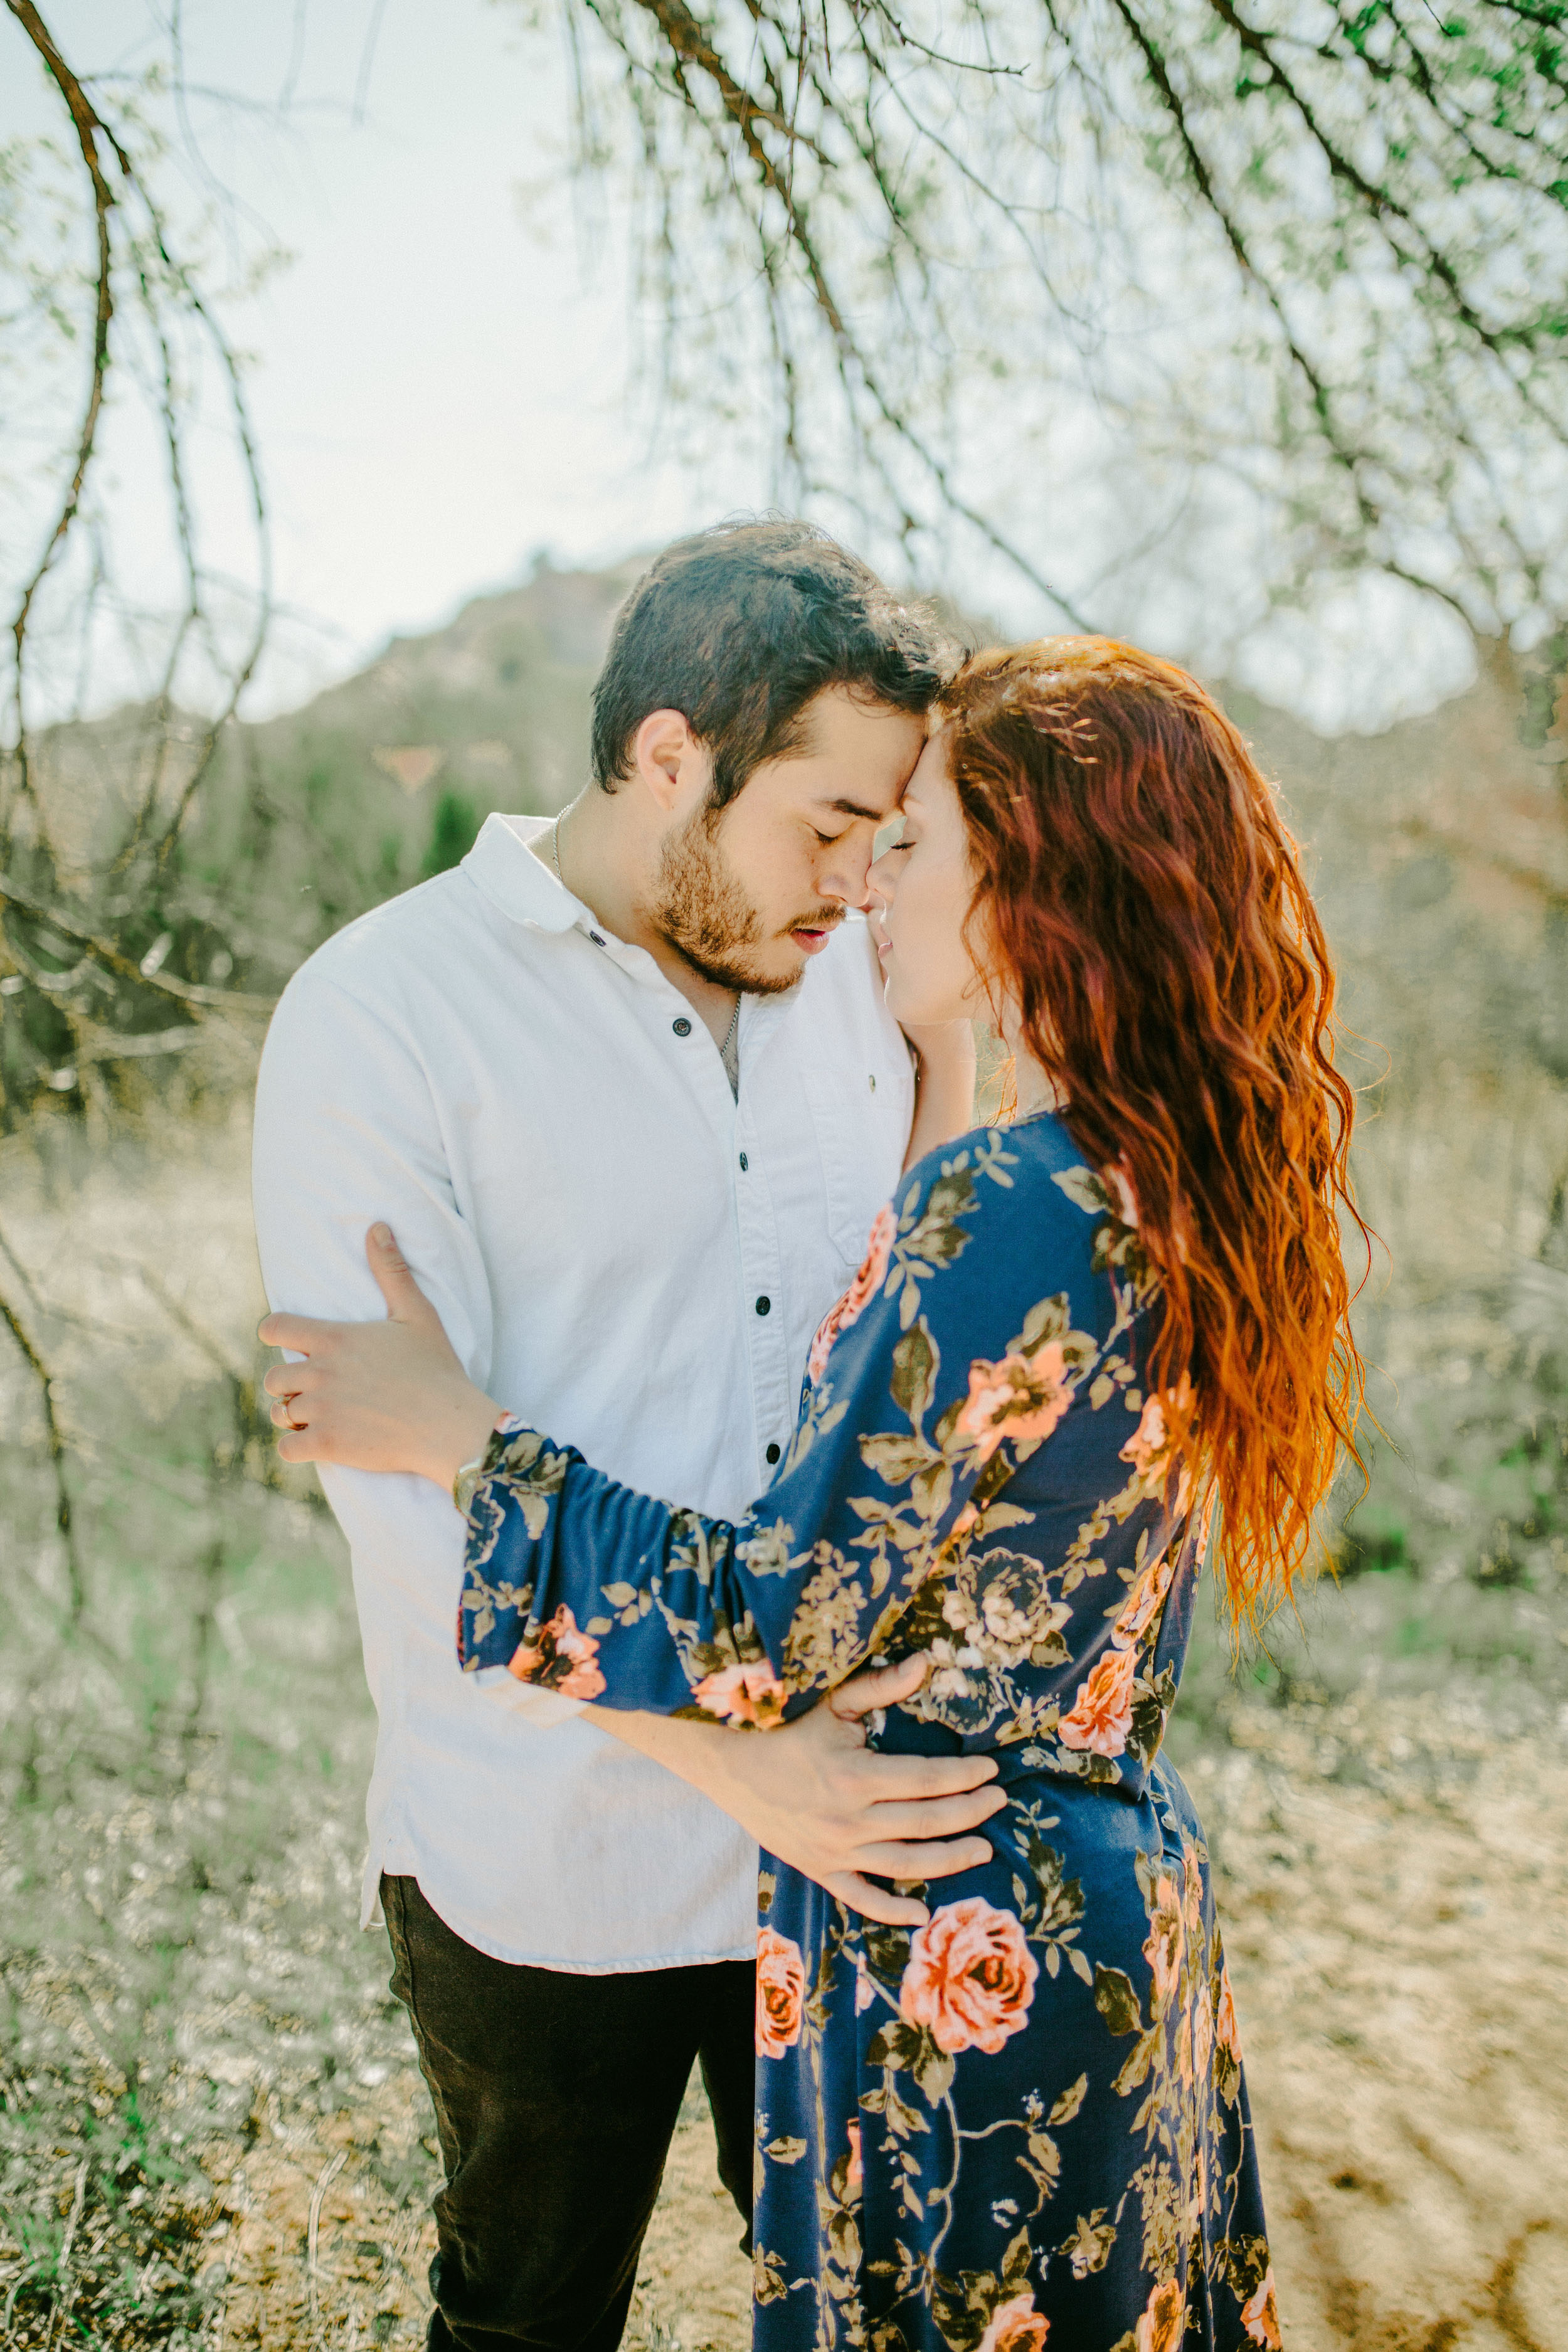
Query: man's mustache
x,y
826,918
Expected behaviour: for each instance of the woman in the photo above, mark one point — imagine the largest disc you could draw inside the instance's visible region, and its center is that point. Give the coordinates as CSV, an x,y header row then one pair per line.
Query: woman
x,y
1071,1339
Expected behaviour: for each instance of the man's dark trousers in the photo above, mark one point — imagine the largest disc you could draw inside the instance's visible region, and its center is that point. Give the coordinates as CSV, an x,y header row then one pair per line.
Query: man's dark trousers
x,y
555,2099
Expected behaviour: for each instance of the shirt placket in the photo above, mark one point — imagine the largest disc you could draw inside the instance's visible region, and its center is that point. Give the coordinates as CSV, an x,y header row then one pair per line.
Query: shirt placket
x,y
744,1142
762,1259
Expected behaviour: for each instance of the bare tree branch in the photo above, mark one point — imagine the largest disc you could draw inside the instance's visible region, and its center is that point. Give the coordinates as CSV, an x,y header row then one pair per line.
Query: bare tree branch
x,y
57,1444
88,129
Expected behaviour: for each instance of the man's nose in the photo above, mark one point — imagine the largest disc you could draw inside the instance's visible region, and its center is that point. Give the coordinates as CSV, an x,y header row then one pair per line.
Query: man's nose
x,y
846,874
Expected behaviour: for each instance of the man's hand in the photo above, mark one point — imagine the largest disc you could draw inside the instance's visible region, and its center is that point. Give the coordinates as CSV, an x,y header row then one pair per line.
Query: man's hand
x,y
817,1796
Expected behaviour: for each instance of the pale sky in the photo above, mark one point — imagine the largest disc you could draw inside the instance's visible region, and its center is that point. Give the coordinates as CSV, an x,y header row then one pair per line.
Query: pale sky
x,y
438,389
439,383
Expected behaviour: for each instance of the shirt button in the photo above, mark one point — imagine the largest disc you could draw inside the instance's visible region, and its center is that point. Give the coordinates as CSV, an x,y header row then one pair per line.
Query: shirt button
x,y
764,1306
682,1027
597,938
746,1164
773,1453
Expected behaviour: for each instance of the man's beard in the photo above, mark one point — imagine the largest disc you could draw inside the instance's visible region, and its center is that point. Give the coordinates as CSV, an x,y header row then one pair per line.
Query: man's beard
x,y
702,909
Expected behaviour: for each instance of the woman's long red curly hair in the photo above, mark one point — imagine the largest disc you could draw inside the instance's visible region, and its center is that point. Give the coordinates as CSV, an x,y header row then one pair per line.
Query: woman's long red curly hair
x,y
1171,975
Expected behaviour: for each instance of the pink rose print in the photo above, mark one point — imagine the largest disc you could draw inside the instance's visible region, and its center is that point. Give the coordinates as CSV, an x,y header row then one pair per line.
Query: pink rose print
x,y
969,1978
1150,1442
1225,2029
1147,1442
1260,2314
744,1694
1203,2033
1162,1948
1015,2326
1101,1715
1020,1397
1142,1602
1192,1897
858,1295
560,1658
781,1993
1161,2326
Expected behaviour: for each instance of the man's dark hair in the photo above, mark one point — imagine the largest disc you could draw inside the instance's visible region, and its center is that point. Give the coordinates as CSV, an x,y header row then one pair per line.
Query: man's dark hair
x,y
739,627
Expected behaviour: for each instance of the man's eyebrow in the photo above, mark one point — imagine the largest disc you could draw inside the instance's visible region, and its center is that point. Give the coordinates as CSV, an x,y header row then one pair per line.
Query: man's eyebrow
x,y
854,808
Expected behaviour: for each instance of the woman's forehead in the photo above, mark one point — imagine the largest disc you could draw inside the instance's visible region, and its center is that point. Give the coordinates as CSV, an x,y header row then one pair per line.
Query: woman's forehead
x,y
929,775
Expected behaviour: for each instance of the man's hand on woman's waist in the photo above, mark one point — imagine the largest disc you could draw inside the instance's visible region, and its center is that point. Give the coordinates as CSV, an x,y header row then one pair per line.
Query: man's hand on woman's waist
x,y
812,1793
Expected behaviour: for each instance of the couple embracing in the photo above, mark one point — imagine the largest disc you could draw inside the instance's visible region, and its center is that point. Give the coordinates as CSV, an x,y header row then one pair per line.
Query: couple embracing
x,y
661,1555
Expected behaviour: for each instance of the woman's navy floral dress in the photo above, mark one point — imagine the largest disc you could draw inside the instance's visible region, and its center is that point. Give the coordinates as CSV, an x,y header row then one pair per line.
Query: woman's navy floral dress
x,y
1025,2120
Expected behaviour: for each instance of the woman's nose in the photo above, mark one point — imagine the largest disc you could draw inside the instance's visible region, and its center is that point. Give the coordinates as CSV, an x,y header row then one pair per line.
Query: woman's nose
x,y
880,882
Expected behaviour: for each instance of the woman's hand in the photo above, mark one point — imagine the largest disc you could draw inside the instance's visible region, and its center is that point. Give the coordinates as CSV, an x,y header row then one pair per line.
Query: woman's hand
x,y
377,1396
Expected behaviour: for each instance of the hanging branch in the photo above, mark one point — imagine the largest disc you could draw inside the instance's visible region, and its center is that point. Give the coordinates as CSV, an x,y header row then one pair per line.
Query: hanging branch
x,y
139,276
57,1444
88,129
1333,192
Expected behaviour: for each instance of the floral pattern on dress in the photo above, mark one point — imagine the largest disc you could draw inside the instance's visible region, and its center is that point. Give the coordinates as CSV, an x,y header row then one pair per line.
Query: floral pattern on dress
x,y
1022,2126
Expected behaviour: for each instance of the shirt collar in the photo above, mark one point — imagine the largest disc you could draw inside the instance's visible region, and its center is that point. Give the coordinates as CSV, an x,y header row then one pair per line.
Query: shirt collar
x,y
501,864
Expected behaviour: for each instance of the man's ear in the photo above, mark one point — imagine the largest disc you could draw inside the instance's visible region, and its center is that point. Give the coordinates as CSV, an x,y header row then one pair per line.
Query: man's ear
x,y
671,762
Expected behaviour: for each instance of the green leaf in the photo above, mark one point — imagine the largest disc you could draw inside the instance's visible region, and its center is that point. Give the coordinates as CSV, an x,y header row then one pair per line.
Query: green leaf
x,y
535,1510
997,1515
1067,2105
893,2046
887,1952
950,1194
932,2069
1085,1191
1049,1318
896,1460
1117,2001
1139,2060
932,1491
915,1360
1016,2259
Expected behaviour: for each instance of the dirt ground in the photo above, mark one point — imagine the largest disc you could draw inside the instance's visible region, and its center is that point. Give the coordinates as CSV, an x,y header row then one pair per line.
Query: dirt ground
x,y
1396,1901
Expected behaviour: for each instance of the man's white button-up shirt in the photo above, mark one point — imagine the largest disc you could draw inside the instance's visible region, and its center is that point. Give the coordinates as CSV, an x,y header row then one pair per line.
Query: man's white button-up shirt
x,y
623,1254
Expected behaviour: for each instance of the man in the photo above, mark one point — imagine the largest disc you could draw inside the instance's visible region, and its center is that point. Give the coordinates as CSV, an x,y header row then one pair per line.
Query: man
x,y
626,1090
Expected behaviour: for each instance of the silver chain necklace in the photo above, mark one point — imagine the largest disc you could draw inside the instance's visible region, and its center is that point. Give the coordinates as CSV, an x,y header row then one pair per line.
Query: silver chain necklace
x,y
727,1052
730,1052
